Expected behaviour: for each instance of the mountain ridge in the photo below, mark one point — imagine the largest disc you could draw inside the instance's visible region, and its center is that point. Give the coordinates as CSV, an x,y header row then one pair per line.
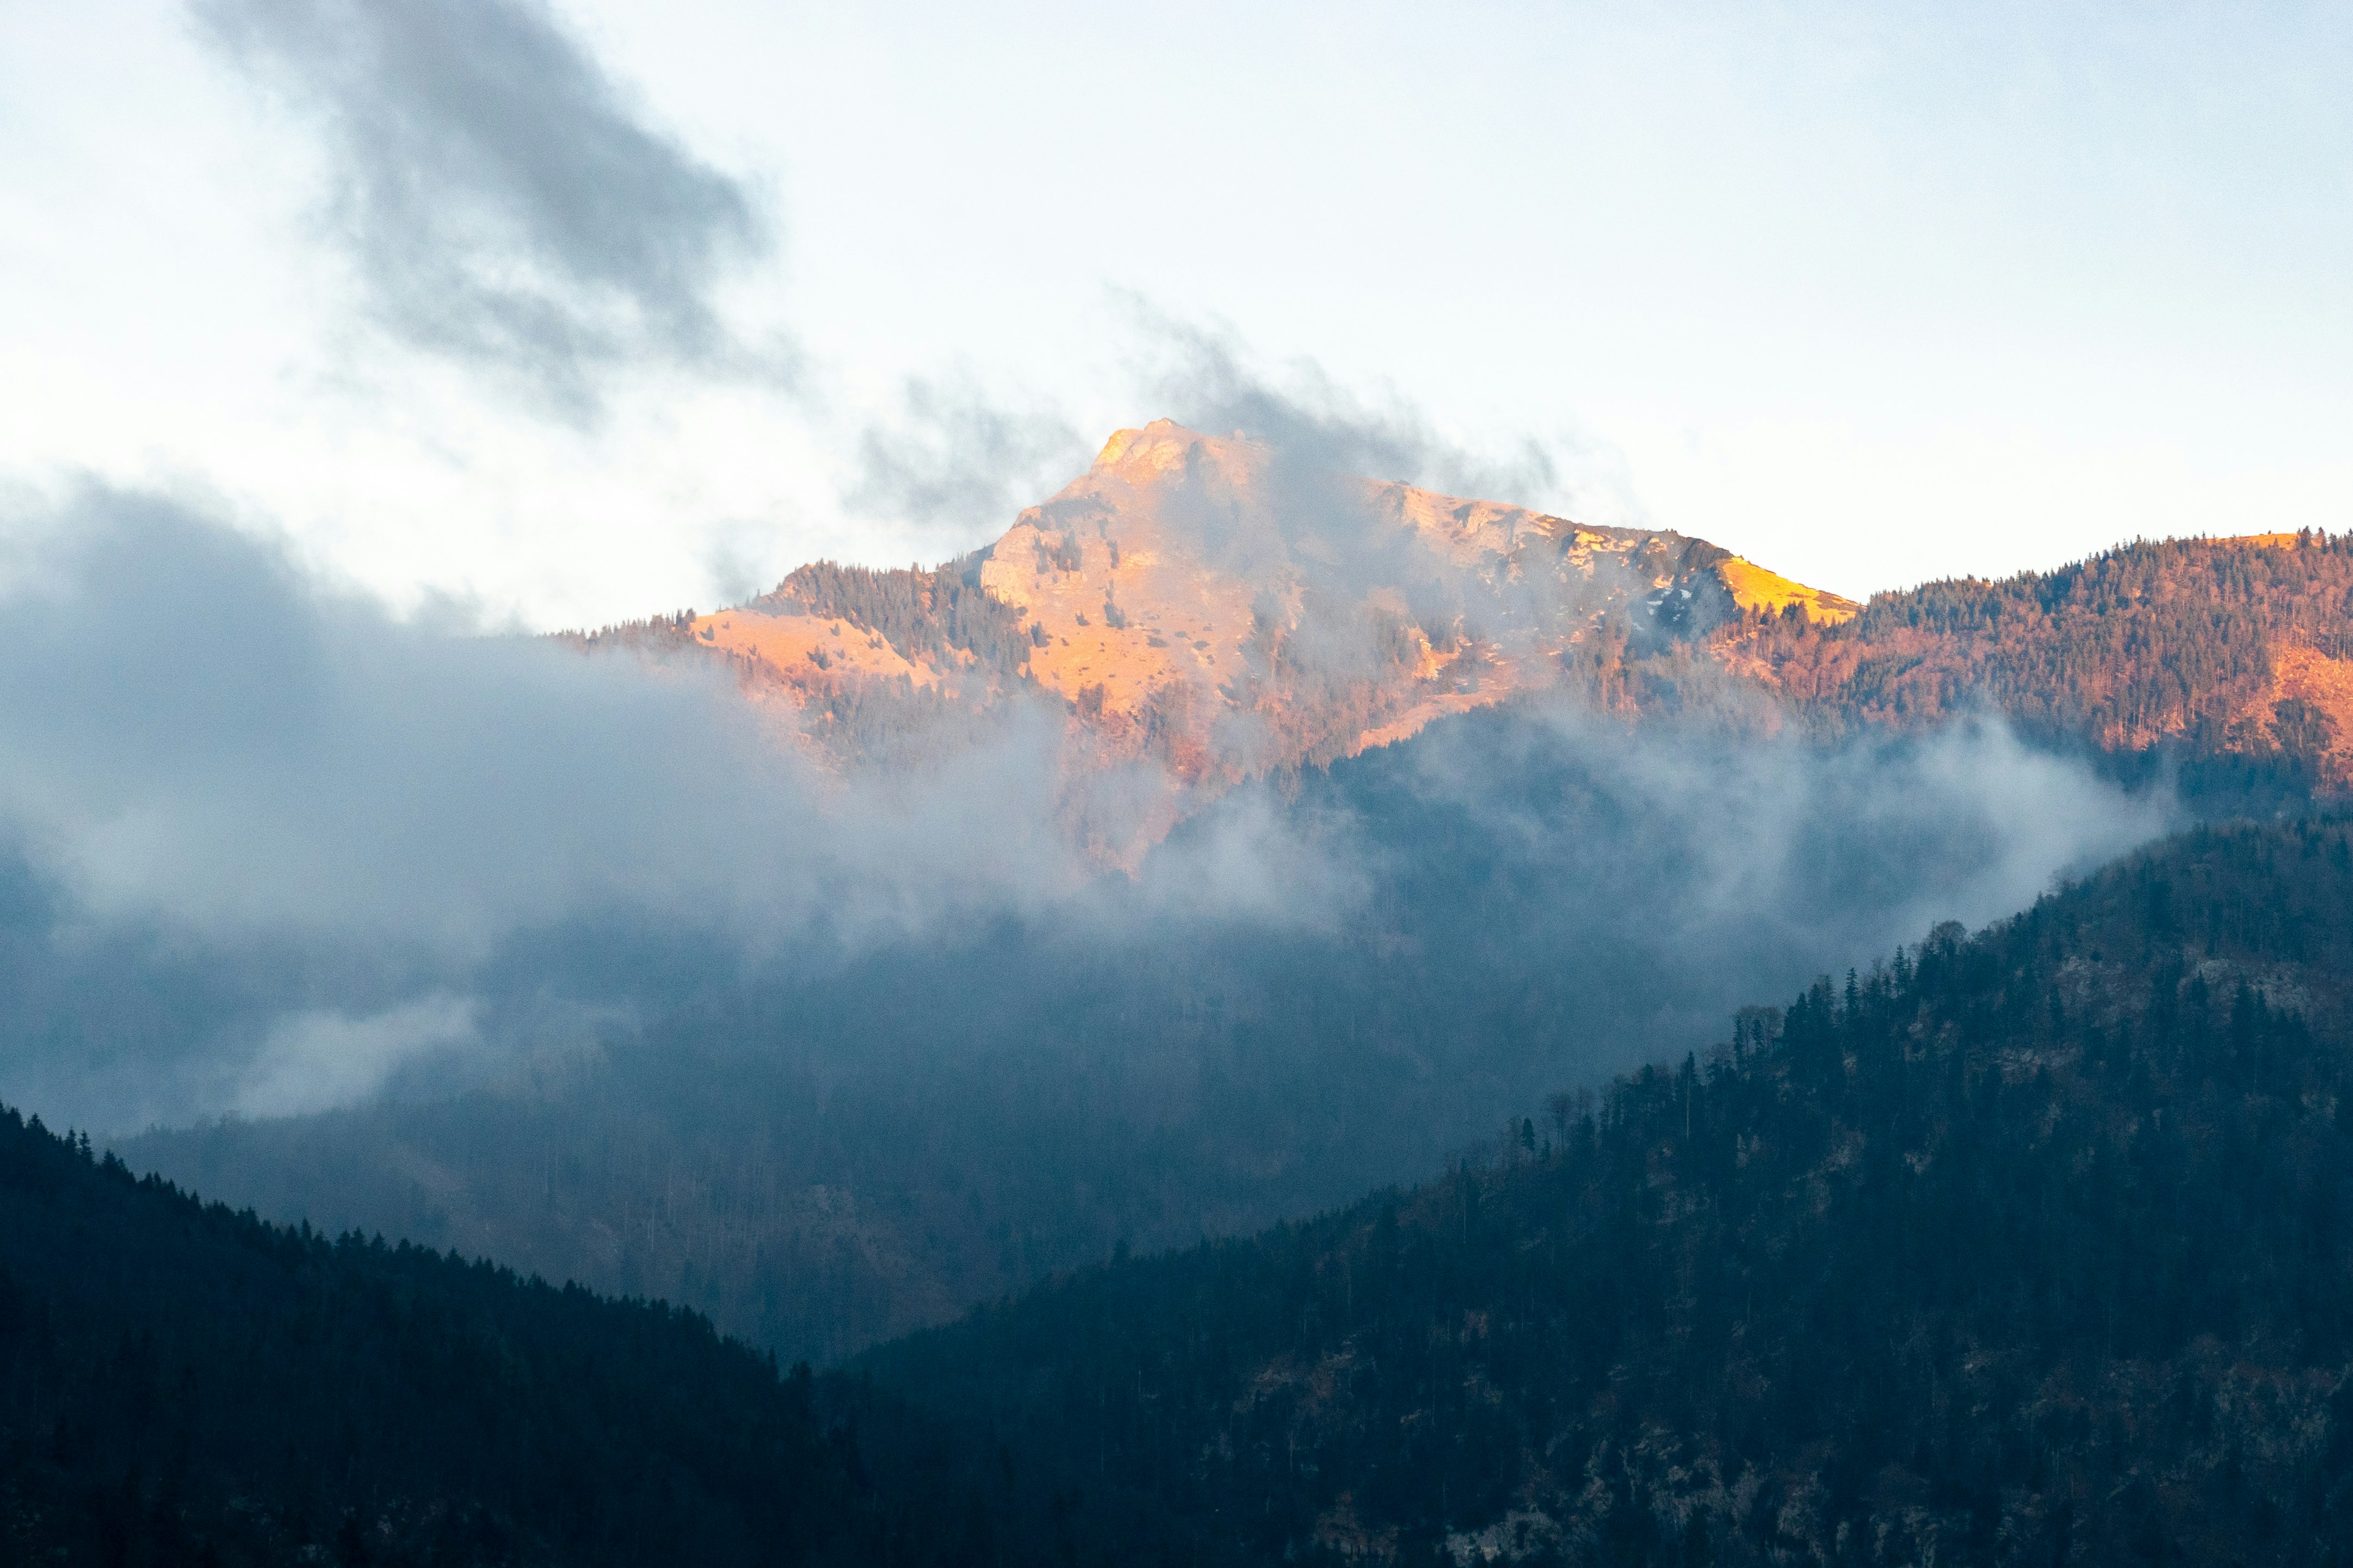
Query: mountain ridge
x,y
1205,610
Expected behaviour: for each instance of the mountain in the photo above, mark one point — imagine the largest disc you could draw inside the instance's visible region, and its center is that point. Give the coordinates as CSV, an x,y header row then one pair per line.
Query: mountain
x,y
1709,799
1215,610
1714,798
2024,1249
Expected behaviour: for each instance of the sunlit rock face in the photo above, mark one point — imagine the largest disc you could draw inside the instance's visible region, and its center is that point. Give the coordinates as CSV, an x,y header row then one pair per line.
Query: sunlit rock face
x,y
1202,610
1255,615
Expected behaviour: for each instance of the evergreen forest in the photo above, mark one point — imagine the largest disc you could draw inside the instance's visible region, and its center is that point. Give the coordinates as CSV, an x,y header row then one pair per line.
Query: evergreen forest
x,y
2029,1248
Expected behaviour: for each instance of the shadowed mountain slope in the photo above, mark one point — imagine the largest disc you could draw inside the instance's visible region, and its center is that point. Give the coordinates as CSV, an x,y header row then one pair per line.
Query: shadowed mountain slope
x,y
1529,899
2029,1248
179,1384
2025,1248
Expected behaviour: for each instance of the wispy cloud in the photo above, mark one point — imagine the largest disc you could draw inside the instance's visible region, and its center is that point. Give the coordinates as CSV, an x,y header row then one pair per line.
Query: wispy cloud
x,y
315,1060
501,200
957,462
1208,378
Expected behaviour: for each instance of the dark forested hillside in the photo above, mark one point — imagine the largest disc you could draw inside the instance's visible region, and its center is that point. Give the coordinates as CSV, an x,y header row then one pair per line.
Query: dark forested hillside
x,y
2030,1248
180,1385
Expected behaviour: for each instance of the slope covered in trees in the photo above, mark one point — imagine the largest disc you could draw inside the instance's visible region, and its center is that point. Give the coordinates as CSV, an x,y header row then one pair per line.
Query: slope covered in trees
x,y
2211,646
937,615
2030,1249
182,1384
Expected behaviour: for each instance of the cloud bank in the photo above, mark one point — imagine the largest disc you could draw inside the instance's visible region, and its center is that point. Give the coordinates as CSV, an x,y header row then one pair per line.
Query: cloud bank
x,y
266,849
209,759
955,461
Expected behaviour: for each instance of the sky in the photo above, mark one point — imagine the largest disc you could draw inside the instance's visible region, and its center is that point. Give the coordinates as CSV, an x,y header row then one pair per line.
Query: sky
x,y
562,315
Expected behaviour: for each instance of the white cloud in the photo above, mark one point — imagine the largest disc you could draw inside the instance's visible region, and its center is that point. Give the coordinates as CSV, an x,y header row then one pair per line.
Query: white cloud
x,y
320,1060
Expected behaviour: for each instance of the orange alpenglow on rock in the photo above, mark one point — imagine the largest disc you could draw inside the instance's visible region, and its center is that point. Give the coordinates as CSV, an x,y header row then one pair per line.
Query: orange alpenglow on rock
x,y
1205,565
804,650
1754,588
1213,605
2306,708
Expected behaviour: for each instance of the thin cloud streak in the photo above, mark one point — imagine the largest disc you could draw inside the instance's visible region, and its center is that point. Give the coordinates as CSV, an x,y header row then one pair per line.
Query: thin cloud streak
x,y
1206,375
958,463
500,200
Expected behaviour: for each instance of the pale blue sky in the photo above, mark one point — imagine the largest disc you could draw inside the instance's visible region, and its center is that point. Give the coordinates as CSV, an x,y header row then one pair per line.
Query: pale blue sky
x,y
1870,294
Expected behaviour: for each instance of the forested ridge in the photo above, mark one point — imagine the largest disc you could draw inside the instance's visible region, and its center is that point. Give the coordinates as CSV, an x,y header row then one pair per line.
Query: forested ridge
x,y
2027,1248
2157,641
181,1384
2223,660
933,615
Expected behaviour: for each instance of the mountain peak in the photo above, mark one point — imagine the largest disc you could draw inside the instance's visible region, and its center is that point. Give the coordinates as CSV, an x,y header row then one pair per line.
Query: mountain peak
x,y
1116,447
1152,453
1157,434
1201,607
